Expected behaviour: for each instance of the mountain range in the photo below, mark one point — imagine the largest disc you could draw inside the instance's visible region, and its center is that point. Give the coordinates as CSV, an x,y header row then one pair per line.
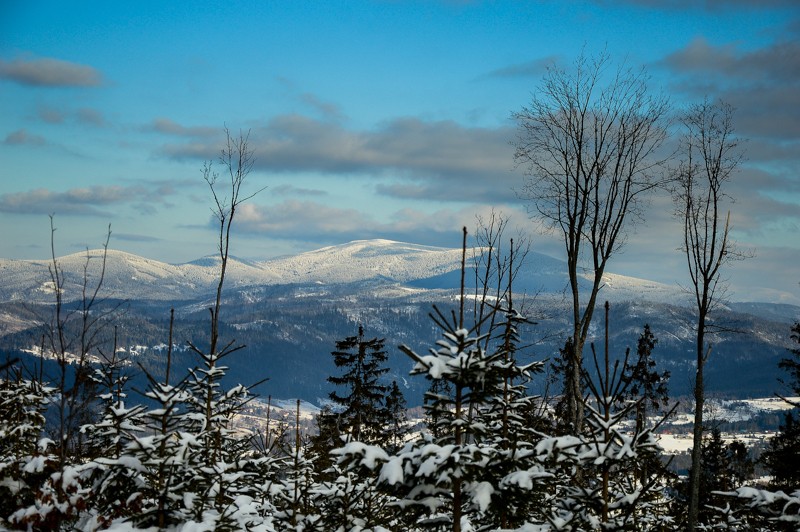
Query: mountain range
x,y
290,311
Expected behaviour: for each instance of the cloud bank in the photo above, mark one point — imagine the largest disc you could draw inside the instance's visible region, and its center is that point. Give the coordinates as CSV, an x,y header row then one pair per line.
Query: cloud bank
x,y
440,160
88,201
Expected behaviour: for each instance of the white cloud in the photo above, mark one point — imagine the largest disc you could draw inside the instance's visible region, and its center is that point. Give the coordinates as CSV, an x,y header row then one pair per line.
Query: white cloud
x,y
439,160
87,201
49,72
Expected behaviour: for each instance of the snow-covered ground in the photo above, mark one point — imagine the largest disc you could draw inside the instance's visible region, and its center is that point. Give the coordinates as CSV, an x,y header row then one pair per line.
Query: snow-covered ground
x,y
737,409
680,443
725,410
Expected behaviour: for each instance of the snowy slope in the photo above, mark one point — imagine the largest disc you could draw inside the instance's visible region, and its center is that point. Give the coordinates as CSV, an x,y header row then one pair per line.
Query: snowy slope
x,y
127,276
289,311
422,267
363,260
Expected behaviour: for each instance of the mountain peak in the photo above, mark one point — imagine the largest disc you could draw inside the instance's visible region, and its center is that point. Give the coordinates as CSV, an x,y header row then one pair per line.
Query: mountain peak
x,y
129,276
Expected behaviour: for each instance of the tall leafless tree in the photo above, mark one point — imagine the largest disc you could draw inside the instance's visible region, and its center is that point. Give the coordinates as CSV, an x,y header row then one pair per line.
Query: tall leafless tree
x,y
73,336
590,141
711,152
495,268
237,160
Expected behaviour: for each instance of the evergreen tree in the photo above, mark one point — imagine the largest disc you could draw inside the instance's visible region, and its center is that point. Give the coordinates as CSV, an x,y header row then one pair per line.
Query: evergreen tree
x,y
644,381
445,479
113,479
352,500
513,417
218,460
562,366
437,411
458,476
742,464
360,411
326,438
293,495
162,452
609,487
782,457
717,474
757,509
25,460
363,414
647,388
396,418
792,365
478,466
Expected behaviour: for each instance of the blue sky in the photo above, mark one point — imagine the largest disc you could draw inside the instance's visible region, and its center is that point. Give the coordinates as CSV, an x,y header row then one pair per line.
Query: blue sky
x,y
382,119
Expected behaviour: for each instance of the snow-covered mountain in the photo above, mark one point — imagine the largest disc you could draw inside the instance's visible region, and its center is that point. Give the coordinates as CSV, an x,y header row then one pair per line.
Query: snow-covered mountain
x,y
363,260
129,276
290,311
126,276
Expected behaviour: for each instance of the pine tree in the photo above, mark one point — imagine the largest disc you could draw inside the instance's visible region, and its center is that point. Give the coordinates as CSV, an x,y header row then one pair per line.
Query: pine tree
x,y
454,478
113,478
396,418
436,406
792,365
515,420
352,500
742,464
782,457
644,381
294,494
757,509
648,389
608,488
25,458
327,437
717,475
726,467
218,460
360,411
163,452
364,415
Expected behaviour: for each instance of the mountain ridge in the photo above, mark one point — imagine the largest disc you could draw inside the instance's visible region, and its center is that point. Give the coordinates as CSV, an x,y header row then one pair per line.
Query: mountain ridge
x,y
290,311
130,275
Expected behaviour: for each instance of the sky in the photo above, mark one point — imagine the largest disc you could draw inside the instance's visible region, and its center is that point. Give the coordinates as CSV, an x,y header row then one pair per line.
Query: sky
x,y
368,119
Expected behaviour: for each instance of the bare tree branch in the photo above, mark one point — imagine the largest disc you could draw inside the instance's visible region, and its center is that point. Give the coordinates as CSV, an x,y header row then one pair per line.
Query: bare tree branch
x,y
591,154
711,154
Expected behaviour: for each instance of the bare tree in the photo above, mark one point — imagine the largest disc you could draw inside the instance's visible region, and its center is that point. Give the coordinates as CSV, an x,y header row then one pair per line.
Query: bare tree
x,y
711,154
237,160
589,139
73,336
495,268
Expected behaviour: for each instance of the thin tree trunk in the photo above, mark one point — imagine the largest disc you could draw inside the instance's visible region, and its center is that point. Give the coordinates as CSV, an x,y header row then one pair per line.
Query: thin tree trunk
x,y
697,432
